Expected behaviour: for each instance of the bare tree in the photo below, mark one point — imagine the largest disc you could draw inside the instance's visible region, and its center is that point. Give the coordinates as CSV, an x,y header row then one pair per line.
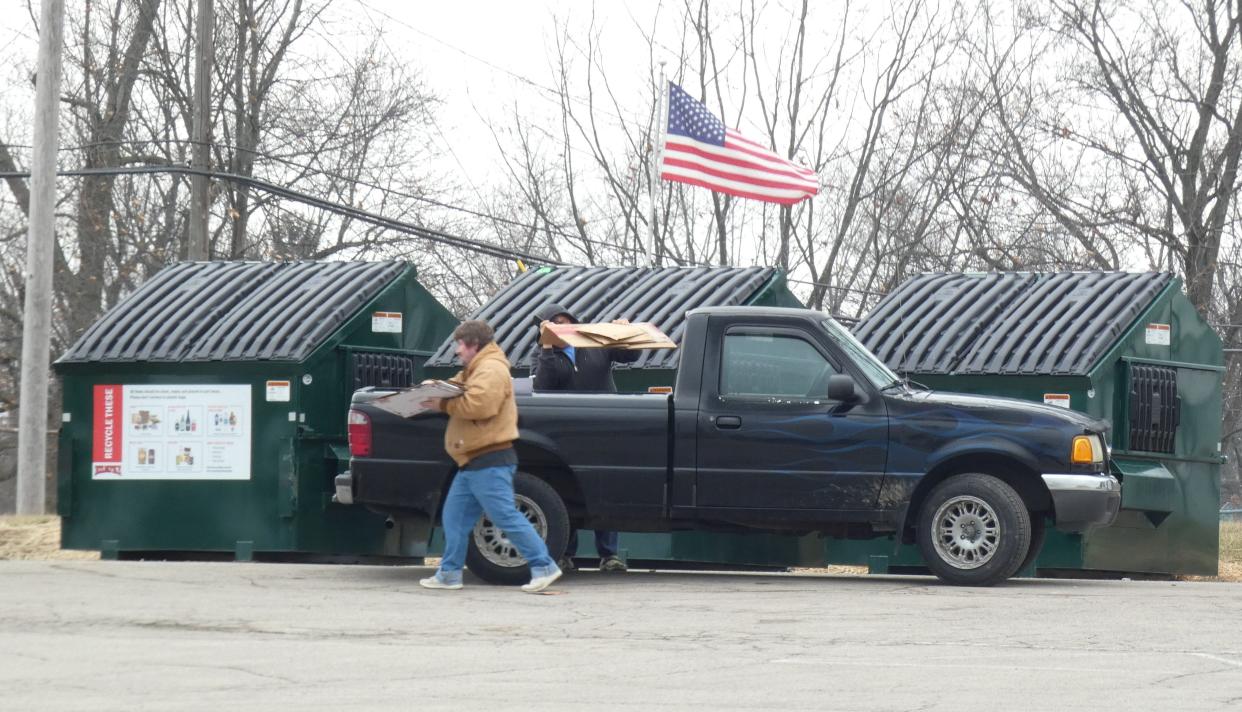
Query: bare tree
x,y
1139,135
101,106
795,87
1228,320
347,128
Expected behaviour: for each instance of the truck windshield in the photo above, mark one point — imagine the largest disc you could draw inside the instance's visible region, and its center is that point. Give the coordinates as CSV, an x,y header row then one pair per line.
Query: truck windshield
x,y
879,374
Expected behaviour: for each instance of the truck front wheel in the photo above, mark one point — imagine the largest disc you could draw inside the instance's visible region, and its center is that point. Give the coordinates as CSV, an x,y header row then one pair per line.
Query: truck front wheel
x,y
974,530
492,557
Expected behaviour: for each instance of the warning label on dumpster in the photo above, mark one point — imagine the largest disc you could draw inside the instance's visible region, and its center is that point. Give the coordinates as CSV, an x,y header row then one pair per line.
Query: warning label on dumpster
x,y
176,432
278,391
1061,400
386,322
1158,334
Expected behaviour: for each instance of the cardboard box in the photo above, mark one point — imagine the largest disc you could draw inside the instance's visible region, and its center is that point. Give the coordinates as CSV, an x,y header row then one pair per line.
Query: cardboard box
x,y
605,336
407,402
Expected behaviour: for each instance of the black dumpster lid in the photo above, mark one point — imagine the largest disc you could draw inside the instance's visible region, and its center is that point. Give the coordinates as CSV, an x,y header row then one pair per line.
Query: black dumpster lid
x,y
1007,322
594,294
233,311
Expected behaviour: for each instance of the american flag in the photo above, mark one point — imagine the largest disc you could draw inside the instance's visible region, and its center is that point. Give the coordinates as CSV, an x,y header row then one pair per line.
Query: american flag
x,y
699,150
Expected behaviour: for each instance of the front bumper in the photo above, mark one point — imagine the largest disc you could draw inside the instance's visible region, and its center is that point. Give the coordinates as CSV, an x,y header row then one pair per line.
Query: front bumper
x,y
1083,501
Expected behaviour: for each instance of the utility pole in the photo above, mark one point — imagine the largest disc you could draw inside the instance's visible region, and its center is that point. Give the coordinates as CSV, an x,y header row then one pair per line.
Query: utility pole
x,y
40,241
199,184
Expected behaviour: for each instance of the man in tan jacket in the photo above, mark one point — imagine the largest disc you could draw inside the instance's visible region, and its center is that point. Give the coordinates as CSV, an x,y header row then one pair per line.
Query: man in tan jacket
x,y
481,429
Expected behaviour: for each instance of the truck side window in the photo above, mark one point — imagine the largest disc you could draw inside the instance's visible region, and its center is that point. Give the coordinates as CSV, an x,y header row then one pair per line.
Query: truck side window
x,y
756,365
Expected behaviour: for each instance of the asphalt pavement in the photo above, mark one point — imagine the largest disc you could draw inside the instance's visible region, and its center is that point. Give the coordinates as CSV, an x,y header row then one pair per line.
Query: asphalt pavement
x,y
211,636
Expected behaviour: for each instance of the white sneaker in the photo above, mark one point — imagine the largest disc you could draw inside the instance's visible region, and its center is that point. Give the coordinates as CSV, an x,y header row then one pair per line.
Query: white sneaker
x,y
437,582
538,583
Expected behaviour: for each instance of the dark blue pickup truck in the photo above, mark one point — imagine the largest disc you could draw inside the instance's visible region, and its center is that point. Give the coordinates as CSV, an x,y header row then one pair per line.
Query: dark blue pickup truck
x,y
780,421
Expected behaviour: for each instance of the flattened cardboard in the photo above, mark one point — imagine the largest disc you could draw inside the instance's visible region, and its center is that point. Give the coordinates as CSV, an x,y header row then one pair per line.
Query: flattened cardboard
x,y
614,332
605,336
406,402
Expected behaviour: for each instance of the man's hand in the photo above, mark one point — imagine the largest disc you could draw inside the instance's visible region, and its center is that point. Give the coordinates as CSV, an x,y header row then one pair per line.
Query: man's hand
x,y
432,403
544,325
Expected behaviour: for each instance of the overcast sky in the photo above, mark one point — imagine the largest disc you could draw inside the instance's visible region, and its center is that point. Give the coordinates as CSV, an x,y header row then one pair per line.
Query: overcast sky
x,y
481,57
484,57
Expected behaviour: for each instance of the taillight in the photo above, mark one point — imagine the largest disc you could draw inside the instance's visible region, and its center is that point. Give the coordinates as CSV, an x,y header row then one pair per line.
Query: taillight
x,y
359,434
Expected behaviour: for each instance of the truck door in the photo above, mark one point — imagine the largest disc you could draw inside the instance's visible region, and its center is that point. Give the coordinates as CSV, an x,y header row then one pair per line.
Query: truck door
x,y
769,438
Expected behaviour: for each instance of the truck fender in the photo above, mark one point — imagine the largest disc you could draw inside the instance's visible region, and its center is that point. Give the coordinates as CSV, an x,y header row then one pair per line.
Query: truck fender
x,y
988,445
958,456
540,456
531,438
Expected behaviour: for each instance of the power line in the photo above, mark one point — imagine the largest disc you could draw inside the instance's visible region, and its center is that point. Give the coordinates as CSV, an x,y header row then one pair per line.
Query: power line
x,y
433,235
429,234
550,227
547,226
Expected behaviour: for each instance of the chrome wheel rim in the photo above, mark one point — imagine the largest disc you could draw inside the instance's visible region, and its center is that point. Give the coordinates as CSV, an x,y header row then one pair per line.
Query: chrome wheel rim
x,y
967,532
494,544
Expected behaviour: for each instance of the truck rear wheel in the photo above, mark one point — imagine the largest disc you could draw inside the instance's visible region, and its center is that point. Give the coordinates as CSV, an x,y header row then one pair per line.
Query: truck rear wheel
x,y
492,557
974,530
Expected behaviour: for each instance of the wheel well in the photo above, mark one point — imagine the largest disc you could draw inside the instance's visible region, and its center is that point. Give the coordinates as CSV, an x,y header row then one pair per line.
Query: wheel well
x,y
1024,480
537,461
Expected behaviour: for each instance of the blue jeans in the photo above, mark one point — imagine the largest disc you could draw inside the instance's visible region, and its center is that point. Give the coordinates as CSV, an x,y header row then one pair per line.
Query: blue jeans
x,y
487,490
606,544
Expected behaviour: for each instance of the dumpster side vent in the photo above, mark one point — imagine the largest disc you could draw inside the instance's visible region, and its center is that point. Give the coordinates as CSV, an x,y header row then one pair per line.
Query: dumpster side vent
x,y
1155,408
382,370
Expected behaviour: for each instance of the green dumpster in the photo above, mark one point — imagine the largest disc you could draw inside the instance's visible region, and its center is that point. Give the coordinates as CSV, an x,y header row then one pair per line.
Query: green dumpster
x,y
1127,347
206,411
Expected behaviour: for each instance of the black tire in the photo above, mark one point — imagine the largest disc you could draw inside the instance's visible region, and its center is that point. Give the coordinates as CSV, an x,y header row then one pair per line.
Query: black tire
x,y
974,530
503,565
1039,531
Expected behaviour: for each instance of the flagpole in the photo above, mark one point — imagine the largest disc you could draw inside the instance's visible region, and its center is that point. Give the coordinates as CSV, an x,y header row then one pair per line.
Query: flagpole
x,y
656,150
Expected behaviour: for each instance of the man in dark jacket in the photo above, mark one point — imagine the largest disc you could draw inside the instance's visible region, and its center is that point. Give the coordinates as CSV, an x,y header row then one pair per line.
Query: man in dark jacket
x,y
580,370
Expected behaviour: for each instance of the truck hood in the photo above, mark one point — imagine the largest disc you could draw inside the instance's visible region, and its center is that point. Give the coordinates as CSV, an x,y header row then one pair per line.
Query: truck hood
x,y
1000,403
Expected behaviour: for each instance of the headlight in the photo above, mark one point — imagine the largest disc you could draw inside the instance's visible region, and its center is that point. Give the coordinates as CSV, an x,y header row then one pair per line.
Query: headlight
x,y
1087,450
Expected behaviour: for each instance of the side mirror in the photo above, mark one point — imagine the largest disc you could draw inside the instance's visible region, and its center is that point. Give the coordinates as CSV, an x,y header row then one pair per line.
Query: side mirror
x,y
841,388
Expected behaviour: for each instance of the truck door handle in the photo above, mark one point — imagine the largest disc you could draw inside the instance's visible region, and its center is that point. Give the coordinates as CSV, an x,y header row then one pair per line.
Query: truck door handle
x,y
728,422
